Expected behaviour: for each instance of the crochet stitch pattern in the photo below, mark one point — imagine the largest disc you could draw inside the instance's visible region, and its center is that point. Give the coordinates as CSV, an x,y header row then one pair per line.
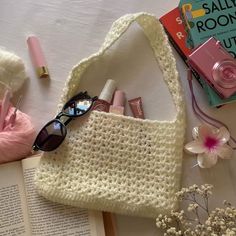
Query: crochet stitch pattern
x,y
117,163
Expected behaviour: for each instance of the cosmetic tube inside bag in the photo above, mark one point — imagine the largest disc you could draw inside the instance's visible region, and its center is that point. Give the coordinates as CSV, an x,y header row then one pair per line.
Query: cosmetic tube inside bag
x,y
117,163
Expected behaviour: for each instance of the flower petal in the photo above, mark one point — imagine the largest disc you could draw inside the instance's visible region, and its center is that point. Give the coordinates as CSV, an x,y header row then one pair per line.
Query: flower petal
x,y
225,151
223,135
195,147
205,131
207,160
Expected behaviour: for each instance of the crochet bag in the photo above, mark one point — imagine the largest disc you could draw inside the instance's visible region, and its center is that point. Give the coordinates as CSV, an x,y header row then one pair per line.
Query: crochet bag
x,y
118,163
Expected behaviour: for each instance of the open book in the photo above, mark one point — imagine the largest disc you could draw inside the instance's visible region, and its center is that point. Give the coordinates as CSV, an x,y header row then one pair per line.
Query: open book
x,y
23,212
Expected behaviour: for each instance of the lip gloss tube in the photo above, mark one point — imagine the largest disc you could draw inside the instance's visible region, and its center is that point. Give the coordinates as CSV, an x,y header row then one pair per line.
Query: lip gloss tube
x,y
137,107
37,57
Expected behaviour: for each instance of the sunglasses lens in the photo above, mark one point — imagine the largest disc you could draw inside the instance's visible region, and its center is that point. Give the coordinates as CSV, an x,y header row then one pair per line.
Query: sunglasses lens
x,y
77,107
51,136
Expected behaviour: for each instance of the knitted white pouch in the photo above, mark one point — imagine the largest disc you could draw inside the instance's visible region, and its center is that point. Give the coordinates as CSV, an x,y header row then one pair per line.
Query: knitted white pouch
x,y
118,163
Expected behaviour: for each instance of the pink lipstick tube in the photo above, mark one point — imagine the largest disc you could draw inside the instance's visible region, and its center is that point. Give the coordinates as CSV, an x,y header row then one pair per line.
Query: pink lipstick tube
x,y
37,57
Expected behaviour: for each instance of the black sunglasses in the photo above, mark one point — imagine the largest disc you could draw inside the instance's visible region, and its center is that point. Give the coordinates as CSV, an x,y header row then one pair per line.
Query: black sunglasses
x,y
54,132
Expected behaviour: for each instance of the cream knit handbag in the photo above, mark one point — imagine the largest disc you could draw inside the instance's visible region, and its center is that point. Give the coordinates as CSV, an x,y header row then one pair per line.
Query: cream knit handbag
x,y
118,163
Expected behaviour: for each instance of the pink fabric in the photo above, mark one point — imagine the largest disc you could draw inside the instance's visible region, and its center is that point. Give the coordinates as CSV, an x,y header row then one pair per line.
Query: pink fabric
x,y
16,139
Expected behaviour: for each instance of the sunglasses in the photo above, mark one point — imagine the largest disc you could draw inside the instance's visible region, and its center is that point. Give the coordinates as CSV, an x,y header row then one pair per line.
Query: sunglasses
x,y
54,132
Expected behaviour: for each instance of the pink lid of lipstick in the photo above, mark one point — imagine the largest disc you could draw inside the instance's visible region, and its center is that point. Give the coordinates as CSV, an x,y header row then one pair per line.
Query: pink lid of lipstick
x,y
37,57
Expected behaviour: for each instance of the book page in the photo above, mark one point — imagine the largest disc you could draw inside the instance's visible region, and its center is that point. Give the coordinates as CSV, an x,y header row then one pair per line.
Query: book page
x,y
13,208
48,218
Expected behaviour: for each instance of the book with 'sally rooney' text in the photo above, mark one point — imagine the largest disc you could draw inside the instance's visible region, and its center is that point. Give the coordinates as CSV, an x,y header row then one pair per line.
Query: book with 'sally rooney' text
x,y
175,30
210,18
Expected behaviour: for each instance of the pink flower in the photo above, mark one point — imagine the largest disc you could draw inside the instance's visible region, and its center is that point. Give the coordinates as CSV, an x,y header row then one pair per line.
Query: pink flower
x,y
210,144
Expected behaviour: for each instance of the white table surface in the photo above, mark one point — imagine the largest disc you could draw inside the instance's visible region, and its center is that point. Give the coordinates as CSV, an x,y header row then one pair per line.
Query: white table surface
x,y
70,30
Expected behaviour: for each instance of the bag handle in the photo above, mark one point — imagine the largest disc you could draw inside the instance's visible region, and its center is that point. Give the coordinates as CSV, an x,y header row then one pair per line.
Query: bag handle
x,y
160,45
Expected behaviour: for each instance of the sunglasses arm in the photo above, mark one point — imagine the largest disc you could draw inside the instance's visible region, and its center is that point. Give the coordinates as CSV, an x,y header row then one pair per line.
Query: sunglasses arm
x,y
95,98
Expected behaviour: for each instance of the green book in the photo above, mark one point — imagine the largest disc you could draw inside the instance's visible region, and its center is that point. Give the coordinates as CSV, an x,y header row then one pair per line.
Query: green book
x,y
211,18
207,18
214,99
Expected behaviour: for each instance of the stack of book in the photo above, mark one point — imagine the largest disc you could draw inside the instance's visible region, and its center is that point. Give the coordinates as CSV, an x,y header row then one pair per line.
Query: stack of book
x,y
192,23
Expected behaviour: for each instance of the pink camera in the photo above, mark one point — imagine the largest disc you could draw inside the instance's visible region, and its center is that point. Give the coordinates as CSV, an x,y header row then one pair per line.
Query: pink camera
x,y
216,66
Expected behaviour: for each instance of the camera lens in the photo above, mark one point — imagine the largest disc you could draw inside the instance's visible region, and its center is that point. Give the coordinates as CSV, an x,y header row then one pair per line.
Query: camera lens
x,y
224,73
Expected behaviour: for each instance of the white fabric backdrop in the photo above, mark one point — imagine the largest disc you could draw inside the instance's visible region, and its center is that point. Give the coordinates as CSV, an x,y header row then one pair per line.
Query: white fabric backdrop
x,y
71,30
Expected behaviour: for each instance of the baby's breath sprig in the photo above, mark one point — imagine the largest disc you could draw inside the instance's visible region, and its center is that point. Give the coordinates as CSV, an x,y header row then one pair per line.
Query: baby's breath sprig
x,y
198,220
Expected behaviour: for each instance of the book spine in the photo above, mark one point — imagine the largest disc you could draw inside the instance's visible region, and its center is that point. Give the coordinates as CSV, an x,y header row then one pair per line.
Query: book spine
x,y
186,29
182,55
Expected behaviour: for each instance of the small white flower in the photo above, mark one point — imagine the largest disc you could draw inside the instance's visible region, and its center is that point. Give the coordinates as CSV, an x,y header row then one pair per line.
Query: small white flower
x,y
210,144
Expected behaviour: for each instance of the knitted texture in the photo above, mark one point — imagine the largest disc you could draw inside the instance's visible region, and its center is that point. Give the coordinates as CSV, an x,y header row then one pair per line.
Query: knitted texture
x,y
117,163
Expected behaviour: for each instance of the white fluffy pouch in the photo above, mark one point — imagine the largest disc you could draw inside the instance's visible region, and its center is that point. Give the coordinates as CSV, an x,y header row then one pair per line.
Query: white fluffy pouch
x,y
118,163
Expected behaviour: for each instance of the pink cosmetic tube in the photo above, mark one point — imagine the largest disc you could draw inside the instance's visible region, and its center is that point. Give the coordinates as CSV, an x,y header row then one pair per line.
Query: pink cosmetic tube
x,y
137,107
118,103
37,57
